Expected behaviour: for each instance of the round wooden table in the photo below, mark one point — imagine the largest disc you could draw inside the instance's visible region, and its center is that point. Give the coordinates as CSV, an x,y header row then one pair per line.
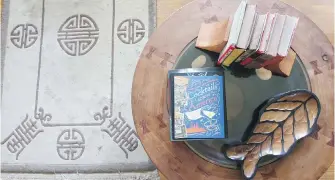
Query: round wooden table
x,y
310,158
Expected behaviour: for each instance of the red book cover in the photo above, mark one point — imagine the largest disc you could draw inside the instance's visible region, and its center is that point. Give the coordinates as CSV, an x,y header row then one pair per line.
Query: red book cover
x,y
258,53
252,58
226,54
246,61
279,57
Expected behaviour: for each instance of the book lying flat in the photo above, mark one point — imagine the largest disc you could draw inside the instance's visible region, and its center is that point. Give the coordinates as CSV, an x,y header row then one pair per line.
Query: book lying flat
x,y
228,50
197,104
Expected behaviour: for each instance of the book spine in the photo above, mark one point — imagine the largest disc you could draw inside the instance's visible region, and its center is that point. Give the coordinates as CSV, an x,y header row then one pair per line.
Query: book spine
x,y
225,54
274,60
263,58
232,57
251,60
245,55
246,61
258,63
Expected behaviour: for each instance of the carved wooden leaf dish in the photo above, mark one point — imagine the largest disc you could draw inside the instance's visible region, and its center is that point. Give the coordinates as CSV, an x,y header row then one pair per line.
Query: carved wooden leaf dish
x,y
284,120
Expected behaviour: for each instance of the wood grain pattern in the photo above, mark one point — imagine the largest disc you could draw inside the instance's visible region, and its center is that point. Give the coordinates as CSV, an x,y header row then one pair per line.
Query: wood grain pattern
x,y
321,12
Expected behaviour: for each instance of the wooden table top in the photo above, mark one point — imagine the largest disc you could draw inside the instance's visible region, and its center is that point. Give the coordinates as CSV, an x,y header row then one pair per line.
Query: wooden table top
x,y
320,12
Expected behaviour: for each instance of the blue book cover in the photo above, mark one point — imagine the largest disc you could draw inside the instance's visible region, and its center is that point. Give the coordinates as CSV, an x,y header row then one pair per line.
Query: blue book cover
x,y
198,106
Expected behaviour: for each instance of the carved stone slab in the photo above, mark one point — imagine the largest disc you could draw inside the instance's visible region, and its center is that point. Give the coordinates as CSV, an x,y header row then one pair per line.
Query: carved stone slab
x,y
66,81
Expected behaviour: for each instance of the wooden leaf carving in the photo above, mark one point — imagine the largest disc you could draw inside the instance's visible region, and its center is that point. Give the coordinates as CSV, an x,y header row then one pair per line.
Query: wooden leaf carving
x,y
285,119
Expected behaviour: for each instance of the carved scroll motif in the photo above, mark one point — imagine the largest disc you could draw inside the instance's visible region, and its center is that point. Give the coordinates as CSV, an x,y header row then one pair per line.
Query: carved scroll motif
x,y
22,136
122,134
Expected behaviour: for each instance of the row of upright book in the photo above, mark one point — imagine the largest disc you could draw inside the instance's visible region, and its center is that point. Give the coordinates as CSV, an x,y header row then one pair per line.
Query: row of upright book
x,y
257,40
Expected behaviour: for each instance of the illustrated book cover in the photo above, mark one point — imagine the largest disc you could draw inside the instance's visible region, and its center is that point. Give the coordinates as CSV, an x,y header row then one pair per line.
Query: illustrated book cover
x,y
197,104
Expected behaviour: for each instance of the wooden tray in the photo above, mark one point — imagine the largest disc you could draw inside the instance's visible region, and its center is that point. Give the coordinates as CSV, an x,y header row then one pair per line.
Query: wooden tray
x,y
309,159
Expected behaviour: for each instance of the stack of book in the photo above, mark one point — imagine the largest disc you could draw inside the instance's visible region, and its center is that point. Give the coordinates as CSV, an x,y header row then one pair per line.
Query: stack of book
x,y
257,40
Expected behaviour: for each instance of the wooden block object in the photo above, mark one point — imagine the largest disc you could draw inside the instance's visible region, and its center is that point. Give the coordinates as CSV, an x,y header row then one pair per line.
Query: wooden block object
x,y
284,67
214,36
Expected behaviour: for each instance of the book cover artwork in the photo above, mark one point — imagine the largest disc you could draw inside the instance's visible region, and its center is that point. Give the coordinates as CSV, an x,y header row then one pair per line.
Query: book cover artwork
x,y
198,107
